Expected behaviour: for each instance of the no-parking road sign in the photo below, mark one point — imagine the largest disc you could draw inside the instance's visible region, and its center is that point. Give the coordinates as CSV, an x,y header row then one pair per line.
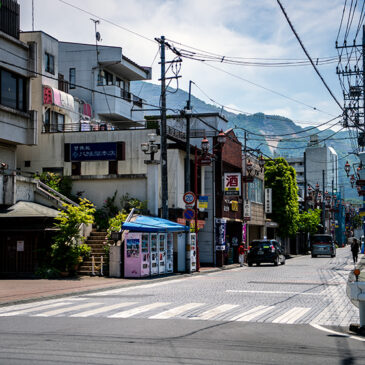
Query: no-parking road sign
x,y
189,214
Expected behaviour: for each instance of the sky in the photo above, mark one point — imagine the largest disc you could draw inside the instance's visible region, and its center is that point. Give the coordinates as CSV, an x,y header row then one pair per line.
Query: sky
x,y
231,28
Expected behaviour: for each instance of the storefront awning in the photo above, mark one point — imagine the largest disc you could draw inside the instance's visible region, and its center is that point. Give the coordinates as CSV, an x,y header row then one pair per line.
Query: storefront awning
x,y
53,96
153,224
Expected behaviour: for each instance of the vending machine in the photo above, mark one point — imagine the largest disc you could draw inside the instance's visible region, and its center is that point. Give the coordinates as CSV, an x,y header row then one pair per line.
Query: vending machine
x,y
153,254
161,253
132,255
192,251
170,253
145,253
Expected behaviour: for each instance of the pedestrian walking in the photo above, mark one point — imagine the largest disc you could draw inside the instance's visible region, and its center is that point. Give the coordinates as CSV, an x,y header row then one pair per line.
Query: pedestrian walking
x,y
241,252
355,249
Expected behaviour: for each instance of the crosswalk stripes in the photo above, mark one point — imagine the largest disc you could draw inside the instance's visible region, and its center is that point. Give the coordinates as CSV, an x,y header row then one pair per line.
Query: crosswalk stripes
x,y
137,310
165,310
215,311
176,311
252,313
104,309
292,315
33,309
56,312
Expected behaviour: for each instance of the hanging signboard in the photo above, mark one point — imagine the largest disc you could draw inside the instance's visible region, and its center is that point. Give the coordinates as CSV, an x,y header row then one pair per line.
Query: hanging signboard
x,y
220,234
232,183
268,200
247,210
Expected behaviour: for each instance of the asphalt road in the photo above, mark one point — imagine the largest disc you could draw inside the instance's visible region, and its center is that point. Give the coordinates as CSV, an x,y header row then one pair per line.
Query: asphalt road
x,y
256,315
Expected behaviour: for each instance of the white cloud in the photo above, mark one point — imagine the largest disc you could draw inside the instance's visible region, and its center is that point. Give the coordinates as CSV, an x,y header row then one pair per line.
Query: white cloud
x,y
240,28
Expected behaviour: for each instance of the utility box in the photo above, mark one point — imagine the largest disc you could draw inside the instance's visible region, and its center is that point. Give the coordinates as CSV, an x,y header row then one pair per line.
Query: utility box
x,y
115,261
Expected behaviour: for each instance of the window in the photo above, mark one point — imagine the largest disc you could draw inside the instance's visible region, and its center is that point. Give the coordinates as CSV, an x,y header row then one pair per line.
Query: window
x,y
256,191
72,78
26,163
53,121
12,91
108,78
119,83
49,63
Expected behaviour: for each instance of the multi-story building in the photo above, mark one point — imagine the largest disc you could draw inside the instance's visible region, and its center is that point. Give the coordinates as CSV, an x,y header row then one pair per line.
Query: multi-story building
x,y
298,164
87,118
321,165
17,119
26,212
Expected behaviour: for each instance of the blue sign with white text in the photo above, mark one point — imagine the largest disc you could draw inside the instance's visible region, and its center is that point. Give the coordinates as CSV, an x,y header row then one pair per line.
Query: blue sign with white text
x,y
93,151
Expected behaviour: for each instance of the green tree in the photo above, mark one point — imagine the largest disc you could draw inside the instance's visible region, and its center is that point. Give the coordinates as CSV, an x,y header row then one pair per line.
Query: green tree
x,y
309,221
281,178
66,250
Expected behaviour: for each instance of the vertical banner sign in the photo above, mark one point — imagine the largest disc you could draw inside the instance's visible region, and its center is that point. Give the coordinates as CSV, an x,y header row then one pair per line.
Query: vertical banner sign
x,y
232,183
268,200
247,210
220,234
244,232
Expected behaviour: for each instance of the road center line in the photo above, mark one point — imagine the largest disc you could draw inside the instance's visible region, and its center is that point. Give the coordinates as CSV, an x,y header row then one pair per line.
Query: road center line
x,y
271,292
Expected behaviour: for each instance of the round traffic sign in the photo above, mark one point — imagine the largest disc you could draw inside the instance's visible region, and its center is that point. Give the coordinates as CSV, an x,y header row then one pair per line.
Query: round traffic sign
x,y
189,197
189,214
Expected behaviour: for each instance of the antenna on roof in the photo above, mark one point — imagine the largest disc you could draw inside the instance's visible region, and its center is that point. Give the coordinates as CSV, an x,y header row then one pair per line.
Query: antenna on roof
x,y
97,34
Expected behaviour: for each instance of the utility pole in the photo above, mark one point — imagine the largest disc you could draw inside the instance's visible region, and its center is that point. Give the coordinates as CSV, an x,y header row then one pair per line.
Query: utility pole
x,y
323,203
164,181
187,180
305,183
187,159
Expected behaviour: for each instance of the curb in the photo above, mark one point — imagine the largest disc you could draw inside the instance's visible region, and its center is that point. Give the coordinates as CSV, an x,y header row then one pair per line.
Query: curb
x,y
166,277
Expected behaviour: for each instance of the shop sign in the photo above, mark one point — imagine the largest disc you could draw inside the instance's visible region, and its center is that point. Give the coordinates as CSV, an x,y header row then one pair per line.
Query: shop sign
x,y
220,234
247,210
268,200
203,202
93,151
232,183
234,205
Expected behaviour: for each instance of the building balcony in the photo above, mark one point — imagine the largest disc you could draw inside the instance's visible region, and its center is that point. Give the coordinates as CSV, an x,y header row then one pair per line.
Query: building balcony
x,y
113,104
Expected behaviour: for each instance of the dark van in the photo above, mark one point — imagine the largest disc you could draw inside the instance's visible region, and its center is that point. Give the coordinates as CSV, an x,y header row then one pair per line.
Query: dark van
x,y
323,244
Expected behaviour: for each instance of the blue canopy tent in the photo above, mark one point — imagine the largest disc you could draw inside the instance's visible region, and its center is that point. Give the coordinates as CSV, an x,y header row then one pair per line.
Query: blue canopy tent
x,y
153,224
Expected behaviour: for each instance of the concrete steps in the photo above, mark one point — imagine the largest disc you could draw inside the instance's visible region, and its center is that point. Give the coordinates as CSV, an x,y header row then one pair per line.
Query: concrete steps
x,y
96,242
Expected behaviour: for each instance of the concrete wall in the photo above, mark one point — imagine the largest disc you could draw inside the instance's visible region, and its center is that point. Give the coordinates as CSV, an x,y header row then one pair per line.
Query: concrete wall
x,y
97,190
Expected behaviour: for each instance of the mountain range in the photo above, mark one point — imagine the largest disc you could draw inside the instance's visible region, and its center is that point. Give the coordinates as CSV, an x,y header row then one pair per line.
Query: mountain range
x,y
291,143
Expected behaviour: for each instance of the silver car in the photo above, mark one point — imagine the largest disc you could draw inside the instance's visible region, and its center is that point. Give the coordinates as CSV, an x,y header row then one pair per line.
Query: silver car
x,y
323,244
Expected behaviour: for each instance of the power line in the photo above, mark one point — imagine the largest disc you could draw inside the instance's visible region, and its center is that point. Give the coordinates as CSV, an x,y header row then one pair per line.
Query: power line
x,y
307,54
108,21
81,86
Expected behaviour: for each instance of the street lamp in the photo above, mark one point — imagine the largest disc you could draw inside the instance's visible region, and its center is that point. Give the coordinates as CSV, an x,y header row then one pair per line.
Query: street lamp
x,y
261,162
205,145
249,167
221,139
347,168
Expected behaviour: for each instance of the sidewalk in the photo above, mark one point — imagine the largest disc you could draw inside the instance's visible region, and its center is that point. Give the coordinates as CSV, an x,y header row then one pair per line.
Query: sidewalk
x,y
26,290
